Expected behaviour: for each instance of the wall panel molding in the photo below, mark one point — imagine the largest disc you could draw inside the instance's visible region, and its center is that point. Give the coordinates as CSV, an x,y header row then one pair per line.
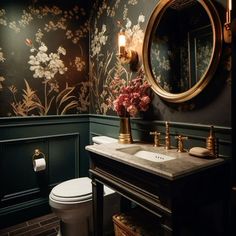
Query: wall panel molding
x,y
42,120
38,138
17,158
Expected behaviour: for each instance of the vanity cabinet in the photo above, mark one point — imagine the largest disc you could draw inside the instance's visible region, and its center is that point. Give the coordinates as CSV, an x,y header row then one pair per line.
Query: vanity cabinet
x,y
174,202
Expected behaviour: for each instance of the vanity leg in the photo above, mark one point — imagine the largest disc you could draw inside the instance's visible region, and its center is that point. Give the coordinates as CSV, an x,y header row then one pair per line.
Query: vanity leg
x,y
176,222
226,201
125,204
97,189
226,217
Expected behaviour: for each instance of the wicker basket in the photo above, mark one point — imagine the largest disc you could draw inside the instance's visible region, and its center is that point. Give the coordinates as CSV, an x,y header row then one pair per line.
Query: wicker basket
x,y
122,229
137,222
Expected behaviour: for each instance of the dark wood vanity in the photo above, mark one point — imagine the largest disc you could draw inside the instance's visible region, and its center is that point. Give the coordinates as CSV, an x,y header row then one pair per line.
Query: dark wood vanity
x,y
176,201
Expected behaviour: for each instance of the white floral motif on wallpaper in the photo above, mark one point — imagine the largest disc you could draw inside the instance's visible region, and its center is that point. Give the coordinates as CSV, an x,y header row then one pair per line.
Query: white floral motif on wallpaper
x,y
98,40
45,66
104,66
109,10
59,21
133,2
59,96
2,59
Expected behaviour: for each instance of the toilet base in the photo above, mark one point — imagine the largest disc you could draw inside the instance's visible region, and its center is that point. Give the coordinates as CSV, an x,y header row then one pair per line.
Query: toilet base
x,y
84,225
81,228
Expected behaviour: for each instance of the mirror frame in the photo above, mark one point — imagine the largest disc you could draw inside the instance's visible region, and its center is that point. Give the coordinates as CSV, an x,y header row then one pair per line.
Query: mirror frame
x,y
214,60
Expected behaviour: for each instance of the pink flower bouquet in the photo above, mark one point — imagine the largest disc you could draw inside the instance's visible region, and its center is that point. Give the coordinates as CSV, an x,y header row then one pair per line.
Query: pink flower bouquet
x,y
130,97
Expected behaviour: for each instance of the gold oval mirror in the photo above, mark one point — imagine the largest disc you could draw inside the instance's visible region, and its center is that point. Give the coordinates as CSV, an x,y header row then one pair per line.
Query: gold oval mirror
x,y
182,47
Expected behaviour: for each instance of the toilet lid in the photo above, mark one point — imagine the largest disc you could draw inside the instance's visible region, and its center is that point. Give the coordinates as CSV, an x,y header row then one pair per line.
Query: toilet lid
x,y
79,189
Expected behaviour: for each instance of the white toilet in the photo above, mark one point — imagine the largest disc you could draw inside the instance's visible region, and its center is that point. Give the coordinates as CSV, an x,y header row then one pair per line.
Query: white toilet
x,y
71,201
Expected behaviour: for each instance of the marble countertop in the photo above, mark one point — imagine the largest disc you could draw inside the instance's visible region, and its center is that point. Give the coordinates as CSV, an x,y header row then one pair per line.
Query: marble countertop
x,y
182,165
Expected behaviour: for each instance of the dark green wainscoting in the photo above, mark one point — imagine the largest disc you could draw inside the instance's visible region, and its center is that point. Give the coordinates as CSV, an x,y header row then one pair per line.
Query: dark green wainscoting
x,y
24,192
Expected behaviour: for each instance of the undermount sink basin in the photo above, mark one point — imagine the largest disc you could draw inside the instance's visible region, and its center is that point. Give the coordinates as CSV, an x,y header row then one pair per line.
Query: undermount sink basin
x,y
141,152
152,156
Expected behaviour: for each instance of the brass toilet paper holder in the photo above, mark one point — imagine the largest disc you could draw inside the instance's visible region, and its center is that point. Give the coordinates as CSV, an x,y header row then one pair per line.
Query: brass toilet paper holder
x,y
38,154
39,161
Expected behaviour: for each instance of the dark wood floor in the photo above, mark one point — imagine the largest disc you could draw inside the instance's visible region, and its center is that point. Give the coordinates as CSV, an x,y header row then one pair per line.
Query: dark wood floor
x,y
47,225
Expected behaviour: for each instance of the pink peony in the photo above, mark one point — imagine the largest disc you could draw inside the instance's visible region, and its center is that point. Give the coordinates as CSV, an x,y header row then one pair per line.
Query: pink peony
x,y
132,110
129,97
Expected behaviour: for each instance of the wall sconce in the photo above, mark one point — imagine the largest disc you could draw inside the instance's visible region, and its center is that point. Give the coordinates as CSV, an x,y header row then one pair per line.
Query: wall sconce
x,y
227,25
126,56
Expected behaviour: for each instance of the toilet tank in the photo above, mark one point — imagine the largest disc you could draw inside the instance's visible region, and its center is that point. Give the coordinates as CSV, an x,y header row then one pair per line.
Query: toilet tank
x,y
103,140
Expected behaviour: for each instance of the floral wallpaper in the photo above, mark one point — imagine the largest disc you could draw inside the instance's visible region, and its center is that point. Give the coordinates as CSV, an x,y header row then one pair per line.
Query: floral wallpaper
x,y
44,58
131,16
59,57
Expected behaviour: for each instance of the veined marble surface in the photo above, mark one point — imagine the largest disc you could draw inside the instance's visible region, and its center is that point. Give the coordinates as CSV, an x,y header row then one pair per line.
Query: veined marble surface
x,y
183,164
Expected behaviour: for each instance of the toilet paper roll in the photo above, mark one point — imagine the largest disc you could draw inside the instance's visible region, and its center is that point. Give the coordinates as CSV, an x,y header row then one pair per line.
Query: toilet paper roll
x,y
39,164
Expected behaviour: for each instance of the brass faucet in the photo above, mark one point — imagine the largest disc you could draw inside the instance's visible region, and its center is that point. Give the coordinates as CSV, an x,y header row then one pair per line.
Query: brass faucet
x,y
167,137
181,139
156,138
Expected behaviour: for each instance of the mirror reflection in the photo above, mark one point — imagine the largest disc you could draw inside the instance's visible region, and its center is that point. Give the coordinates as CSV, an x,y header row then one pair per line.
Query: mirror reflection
x,y
182,46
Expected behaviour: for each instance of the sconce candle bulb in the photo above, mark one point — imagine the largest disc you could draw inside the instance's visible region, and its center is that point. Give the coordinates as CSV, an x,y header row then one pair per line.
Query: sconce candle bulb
x,y
121,43
126,56
228,12
230,5
227,25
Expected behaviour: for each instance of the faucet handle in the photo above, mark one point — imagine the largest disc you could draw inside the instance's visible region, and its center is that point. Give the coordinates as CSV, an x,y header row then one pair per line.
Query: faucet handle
x,y
181,139
156,138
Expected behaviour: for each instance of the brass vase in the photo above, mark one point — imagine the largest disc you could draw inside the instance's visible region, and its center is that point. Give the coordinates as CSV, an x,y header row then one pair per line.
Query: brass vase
x,y
125,135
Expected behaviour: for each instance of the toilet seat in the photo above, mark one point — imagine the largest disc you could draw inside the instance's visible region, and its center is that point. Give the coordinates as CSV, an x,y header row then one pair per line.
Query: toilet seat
x,y
69,192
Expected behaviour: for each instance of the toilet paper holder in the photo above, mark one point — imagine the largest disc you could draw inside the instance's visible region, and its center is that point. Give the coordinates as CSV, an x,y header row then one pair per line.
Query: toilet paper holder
x,y
38,154
39,161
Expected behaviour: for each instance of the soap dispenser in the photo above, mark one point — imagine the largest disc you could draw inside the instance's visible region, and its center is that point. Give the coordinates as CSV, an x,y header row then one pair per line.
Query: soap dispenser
x,y
211,142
